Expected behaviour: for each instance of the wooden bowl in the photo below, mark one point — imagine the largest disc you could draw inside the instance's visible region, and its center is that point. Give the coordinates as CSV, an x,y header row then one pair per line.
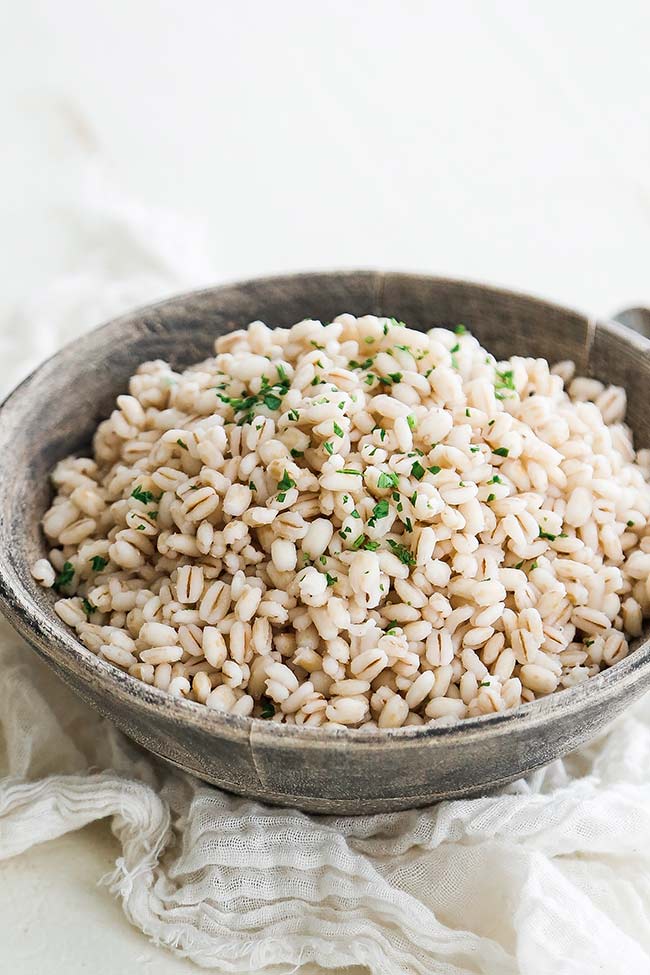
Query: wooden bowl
x,y
54,412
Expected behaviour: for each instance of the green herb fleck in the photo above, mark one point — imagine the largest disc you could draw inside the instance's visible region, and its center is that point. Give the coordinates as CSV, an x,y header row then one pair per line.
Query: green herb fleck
x,y
505,380
272,401
268,710
89,609
286,483
181,443
402,552
379,511
501,451
330,579
387,480
145,496
460,330
98,563
434,470
417,470
547,535
65,576
491,497
410,419
338,431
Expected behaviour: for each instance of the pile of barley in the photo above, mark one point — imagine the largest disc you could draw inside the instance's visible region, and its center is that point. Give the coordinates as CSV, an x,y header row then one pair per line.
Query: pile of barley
x,y
355,524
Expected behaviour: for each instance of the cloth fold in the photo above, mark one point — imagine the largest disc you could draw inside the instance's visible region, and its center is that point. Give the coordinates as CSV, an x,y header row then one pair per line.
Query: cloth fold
x,y
549,877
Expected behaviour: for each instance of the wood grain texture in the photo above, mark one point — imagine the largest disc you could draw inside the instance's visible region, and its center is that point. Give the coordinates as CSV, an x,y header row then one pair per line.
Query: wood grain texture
x,y
54,413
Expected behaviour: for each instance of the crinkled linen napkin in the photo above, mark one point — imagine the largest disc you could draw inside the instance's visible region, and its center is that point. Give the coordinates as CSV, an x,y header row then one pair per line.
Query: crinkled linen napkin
x,y
552,875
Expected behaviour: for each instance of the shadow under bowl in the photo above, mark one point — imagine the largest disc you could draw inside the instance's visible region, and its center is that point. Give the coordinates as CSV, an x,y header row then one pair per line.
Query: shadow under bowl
x,y
54,413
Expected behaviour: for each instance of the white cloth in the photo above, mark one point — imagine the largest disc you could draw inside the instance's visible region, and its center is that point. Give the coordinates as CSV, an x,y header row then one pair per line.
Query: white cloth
x,y
551,877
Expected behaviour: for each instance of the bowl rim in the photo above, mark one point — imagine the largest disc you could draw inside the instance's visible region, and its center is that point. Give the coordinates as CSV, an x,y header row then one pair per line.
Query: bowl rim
x,y
57,643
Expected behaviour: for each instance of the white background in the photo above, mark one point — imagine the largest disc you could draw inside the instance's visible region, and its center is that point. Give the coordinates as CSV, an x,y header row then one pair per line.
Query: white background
x,y
502,141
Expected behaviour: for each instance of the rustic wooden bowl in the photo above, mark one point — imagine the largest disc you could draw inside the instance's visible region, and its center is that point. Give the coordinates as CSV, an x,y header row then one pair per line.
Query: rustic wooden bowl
x,y
54,413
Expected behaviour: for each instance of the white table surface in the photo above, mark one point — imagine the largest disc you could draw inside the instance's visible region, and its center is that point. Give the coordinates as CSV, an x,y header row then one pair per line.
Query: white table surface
x,y
505,141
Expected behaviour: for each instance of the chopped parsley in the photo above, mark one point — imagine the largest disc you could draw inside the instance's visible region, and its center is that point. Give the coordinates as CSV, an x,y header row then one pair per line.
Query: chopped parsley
x,y
286,483
145,496
630,524
455,349
460,330
338,431
353,364
467,412
387,480
251,486
491,497
294,415
495,480
272,401
330,579
484,683
297,453
355,513
268,710
98,563
417,470
65,576
89,609
519,564
329,448
410,419
402,552
505,380
501,451
379,511
434,470
181,443
547,535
